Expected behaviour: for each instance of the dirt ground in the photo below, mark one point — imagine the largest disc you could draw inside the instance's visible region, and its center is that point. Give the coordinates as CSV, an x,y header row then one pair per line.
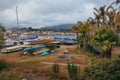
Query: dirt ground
x,y
41,66
79,57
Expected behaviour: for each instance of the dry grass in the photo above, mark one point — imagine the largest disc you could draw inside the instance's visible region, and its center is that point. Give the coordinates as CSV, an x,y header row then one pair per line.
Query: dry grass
x,y
116,52
30,66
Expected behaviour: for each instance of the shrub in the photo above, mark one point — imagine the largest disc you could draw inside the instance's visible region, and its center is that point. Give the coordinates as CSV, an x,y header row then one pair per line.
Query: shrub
x,y
73,71
9,75
103,41
24,53
92,61
103,70
55,70
50,46
3,65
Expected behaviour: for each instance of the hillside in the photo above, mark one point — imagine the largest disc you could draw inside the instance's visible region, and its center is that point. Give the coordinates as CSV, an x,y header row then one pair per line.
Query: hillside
x,y
61,27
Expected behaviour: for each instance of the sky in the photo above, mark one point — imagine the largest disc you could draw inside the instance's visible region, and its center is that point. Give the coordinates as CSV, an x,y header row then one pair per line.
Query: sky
x,y
39,13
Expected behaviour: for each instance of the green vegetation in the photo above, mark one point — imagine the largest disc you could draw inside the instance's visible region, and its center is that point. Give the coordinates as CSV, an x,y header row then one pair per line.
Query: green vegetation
x,y
55,70
50,46
102,70
26,53
2,30
73,71
100,34
5,75
104,40
3,65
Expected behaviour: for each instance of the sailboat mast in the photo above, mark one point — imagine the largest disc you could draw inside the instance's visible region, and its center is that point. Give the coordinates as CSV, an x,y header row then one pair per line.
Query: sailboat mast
x,y
17,16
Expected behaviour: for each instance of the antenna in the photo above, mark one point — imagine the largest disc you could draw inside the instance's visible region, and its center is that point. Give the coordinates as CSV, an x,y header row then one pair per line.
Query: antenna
x,y
17,16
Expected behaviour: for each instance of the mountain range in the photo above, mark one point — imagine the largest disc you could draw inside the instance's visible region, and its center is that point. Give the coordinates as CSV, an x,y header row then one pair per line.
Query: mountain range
x,y
60,27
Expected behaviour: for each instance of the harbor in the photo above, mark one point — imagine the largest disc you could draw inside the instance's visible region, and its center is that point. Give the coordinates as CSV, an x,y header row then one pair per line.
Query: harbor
x,y
26,41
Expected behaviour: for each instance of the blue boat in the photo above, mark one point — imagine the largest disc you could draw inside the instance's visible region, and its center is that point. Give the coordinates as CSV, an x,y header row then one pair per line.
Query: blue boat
x,y
69,41
47,52
66,40
52,51
60,38
34,48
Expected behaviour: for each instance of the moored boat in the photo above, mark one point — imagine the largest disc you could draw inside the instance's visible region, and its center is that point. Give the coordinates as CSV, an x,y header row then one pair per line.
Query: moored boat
x,y
69,42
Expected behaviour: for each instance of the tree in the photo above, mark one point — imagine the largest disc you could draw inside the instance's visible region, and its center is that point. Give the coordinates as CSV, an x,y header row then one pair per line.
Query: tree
x,y
102,70
117,1
104,40
2,30
76,29
101,15
2,41
91,21
98,14
85,32
111,17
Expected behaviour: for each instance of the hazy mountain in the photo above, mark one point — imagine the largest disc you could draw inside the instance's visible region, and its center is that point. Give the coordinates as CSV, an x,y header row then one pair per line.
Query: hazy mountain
x,y
15,27
61,27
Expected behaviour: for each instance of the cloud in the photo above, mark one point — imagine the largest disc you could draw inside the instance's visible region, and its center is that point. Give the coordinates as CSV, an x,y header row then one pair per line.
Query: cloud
x,y
39,13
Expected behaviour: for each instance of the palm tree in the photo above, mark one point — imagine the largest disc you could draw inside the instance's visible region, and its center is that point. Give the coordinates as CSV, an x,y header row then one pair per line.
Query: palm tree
x,y
97,18
92,26
103,40
117,18
117,22
91,21
111,15
117,1
85,30
101,15
76,29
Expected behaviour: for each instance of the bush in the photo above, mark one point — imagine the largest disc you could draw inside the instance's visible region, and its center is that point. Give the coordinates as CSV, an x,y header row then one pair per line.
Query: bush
x,y
9,75
50,46
55,70
3,65
24,53
103,70
73,71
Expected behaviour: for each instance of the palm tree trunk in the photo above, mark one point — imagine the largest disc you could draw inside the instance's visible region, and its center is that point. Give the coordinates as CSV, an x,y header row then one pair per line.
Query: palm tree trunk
x,y
102,54
77,40
84,43
109,53
106,54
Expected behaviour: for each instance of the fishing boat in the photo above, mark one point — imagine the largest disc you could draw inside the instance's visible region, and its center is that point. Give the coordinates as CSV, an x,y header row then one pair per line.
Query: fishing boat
x,y
47,52
12,49
56,42
34,48
69,42
65,40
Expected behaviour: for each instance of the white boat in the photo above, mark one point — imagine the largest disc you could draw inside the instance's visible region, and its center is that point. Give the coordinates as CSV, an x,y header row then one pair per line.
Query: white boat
x,y
12,49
